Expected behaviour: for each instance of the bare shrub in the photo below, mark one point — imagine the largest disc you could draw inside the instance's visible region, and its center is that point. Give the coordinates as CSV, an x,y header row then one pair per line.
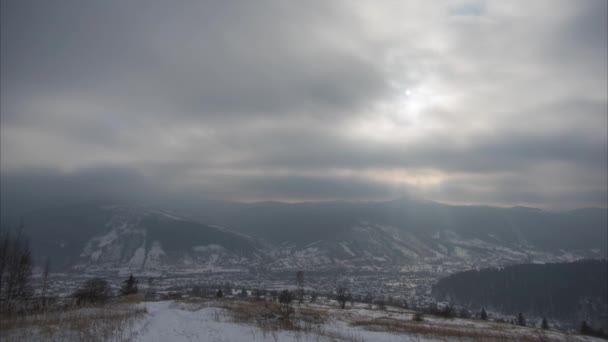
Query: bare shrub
x,y
129,286
286,297
108,323
93,291
380,303
313,296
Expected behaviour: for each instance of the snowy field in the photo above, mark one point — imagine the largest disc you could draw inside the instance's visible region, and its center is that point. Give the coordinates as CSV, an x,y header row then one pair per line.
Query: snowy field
x,y
229,320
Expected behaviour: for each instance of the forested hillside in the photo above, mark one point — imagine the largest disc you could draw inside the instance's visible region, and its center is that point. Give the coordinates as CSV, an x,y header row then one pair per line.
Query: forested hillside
x,y
573,292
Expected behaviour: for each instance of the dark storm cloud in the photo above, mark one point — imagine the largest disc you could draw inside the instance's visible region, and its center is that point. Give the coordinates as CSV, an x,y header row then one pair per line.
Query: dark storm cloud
x,y
475,101
585,33
40,188
202,59
33,189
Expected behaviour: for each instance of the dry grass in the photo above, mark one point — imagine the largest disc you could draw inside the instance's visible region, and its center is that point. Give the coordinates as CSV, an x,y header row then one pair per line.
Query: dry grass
x,y
273,316
306,321
94,323
116,322
133,298
447,332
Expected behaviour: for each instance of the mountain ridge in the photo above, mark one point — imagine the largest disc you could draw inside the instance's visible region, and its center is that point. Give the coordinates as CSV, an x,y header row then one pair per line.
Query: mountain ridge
x,y
400,235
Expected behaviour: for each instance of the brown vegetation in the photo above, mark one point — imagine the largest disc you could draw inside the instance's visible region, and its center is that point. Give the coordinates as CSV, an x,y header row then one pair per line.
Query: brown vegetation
x,y
92,323
495,332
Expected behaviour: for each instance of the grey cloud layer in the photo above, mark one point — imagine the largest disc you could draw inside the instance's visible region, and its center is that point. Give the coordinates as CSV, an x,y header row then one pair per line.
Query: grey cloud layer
x,y
275,100
200,59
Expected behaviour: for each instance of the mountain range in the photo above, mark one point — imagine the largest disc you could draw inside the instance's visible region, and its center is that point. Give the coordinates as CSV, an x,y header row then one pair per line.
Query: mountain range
x,y
400,235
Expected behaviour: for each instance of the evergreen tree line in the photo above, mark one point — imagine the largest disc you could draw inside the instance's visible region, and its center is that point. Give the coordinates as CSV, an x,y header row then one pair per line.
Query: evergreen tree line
x,y
564,291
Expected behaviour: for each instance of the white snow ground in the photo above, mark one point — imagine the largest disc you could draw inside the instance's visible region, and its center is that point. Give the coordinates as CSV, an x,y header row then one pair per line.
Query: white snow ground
x,y
215,321
175,322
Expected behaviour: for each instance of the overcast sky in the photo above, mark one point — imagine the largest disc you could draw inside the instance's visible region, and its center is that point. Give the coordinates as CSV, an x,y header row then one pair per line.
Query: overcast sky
x,y
486,102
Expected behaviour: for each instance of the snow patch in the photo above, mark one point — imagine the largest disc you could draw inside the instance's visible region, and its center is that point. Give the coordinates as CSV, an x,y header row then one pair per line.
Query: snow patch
x,y
208,248
155,254
95,255
346,249
138,257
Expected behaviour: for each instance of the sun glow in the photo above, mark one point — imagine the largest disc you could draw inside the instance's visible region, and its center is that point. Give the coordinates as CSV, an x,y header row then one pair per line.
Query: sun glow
x,y
414,102
407,116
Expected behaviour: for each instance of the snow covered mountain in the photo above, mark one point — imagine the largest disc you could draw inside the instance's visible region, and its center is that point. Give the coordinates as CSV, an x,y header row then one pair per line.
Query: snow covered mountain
x,y
401,235
107,237
412,235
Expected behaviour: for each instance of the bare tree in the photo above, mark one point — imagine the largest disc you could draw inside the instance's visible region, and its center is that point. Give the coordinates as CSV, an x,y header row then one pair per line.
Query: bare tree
x,y
300,283
342,295
4,252
45,280
313,296
150,292
369,299
16,269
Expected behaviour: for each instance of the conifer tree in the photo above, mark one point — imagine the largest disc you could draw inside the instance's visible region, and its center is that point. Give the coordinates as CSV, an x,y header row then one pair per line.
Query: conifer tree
x,y
129,286
521,321
544,324
483,315
584,328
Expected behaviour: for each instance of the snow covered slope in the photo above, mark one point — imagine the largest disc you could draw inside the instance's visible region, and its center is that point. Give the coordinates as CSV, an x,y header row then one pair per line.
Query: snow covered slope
x,y
240,321
134,238
212,322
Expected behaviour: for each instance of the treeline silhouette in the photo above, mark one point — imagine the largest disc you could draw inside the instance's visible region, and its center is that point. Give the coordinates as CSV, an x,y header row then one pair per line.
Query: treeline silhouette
x,y
573,292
